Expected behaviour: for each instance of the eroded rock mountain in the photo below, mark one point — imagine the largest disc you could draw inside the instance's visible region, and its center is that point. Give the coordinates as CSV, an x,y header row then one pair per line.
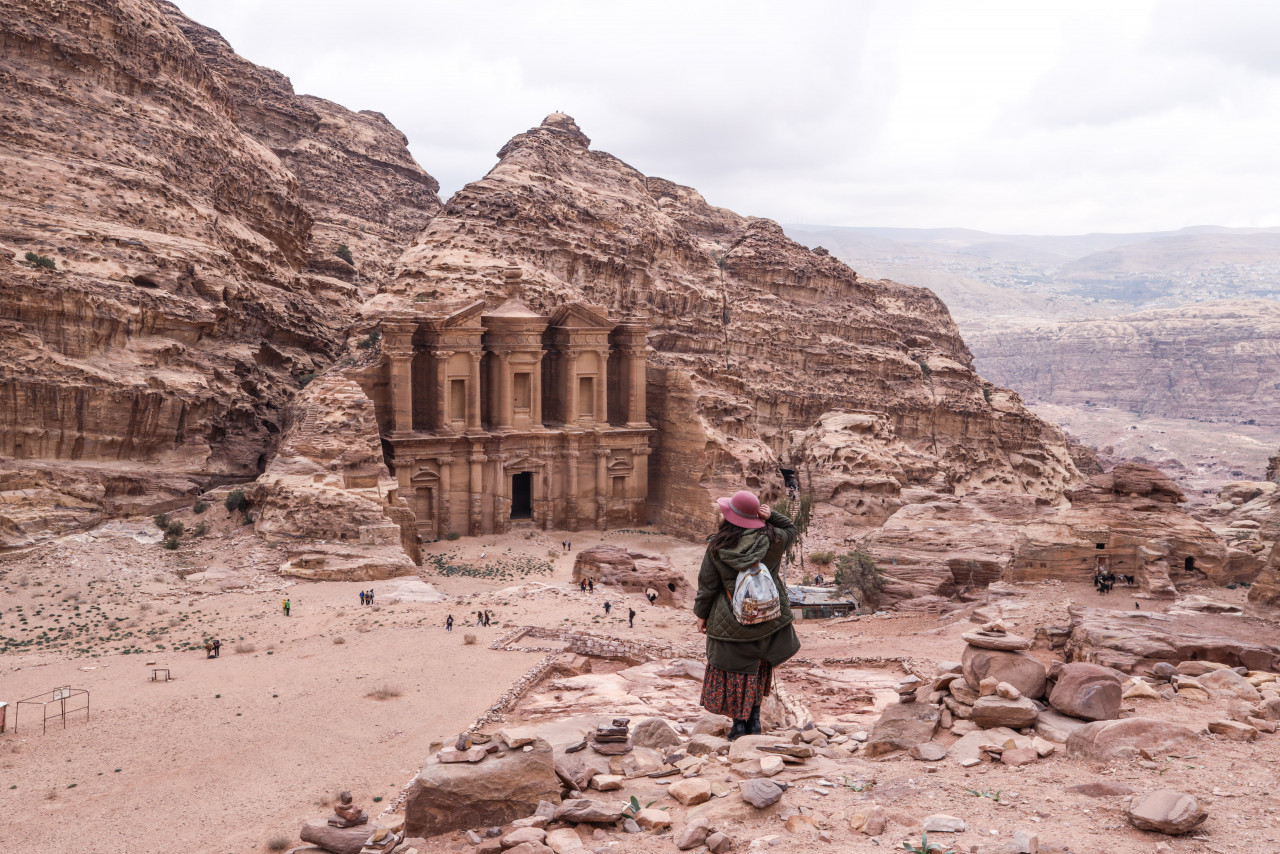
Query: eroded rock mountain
x,y
190,207
763,352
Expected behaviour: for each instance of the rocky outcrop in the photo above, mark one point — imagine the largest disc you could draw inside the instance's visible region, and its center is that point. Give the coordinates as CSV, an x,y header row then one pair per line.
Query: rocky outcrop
x,y
1210,361
1128,517
634,572
327,480
175,190
753,338
1135,641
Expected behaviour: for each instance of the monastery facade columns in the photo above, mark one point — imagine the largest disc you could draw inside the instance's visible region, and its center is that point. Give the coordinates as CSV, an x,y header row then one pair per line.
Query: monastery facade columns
x,y
398,345
441,358
446,466
473,392
602,488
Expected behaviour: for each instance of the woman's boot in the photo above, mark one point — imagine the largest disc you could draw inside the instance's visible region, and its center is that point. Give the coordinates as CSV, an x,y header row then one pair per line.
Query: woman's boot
x,y
753,722
739,729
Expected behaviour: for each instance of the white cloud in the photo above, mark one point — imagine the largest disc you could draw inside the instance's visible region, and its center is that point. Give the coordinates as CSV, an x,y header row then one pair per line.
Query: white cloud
x,y
1053,116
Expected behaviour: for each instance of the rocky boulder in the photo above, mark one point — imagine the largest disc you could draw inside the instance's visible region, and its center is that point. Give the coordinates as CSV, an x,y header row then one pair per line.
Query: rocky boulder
x,y
1136,640
1230,682
1017,668
1166,811
1087,691
634,572
994,711
1103,741
655,733
902,727
455,796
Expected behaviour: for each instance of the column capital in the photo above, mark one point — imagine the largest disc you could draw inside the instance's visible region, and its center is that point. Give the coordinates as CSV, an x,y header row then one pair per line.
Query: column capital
x,y
398,350
475,355
443,461
443,354
477,458
642,451
602,452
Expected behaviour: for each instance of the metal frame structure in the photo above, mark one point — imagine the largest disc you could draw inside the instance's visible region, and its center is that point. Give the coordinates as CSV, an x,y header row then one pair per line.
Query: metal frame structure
x,y
59,696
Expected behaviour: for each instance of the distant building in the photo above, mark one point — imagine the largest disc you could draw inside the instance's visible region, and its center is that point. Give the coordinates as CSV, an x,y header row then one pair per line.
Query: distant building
x,y
818,603
494,416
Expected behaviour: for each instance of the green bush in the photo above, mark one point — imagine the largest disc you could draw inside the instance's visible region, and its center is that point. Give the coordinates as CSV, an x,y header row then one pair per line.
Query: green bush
x,y
304,379
161,520
452,535
174,529
199,508
344,252
822,558
370,340
200,530
857,573
41,261
236,501
170,543
925,370
986,394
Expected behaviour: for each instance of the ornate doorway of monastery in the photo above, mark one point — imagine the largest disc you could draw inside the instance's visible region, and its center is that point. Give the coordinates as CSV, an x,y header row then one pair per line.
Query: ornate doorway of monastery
x,y
522,495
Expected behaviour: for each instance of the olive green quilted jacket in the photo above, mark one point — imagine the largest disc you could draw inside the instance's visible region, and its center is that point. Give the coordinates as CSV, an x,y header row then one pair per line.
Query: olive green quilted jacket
x,y
720,571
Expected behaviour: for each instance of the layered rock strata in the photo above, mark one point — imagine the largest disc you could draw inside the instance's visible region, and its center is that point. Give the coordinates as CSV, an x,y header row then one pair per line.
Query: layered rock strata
x,y
1211,361
175,191
755,339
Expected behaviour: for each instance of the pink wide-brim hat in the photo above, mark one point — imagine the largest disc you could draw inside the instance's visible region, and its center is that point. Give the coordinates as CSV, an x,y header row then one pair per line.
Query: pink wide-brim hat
x,y
742,509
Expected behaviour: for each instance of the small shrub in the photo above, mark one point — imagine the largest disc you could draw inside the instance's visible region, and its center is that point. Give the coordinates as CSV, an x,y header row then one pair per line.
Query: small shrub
x,y
161,520
856,572
174,529
144,607
200,530
339,640
303,380
469,639
236,501
199,508
41,261
452,535
377,799
384,692
370,340
277,843
24,580
344,252
986,394
244,648
822,558
925,370
170,543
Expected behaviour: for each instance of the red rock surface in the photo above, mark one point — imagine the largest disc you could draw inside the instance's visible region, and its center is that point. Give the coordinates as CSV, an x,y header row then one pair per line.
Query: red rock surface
x,y
191,204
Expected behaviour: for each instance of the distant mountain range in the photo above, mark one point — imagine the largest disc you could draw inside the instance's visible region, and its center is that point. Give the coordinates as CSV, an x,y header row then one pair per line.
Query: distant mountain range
x,y
1083,275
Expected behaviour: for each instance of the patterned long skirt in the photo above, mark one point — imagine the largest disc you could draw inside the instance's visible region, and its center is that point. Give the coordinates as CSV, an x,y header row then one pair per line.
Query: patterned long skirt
x,y
733,694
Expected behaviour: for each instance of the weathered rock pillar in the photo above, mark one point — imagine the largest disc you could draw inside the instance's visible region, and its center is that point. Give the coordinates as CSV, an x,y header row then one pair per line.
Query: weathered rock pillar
x,y
506,400
473,393
399,350
571,393
571,485
442,390
602,488
476,483
535,403
602,386
446,466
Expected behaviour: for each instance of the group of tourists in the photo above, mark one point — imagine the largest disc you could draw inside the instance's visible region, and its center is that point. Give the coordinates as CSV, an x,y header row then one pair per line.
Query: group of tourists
x,y
566,546
212,648
588,585
285,605
366,597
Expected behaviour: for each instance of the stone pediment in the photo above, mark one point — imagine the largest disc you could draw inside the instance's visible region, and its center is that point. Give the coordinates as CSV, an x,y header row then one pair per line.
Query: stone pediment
x,y
444,315
581,315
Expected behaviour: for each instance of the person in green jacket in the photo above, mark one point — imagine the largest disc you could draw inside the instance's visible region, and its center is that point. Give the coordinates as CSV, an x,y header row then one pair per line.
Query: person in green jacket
x,y
740,659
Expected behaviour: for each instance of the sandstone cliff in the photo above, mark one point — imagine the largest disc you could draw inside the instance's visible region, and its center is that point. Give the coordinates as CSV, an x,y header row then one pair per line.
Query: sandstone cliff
x,y
1215,361
190,205
755,338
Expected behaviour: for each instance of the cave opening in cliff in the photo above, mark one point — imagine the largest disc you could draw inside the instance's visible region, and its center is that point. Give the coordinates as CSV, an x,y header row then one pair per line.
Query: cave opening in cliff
x,y
789,478
1189,564
144,282
522,495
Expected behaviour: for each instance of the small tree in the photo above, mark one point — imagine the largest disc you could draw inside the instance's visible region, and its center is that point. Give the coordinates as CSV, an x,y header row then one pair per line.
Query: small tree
x,y
174,529
41,261
344,252
857,573
161,520
236,501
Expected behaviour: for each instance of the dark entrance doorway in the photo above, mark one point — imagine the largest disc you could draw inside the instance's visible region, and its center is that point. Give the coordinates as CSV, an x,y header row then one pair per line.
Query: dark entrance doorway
x,y
522,495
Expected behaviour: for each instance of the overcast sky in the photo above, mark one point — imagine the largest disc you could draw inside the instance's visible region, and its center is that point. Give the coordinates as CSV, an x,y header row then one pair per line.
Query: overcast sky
x,y
1025,116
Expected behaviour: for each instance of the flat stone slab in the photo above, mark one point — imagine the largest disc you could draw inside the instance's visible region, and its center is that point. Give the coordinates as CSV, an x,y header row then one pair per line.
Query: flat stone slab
x,y
1004,641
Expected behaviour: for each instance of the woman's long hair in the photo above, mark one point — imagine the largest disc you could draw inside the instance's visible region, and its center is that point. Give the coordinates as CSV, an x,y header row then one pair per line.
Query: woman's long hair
x,y
728,535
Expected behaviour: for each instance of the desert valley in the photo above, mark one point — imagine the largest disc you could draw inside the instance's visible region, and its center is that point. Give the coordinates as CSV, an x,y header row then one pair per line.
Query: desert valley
x,y
339,516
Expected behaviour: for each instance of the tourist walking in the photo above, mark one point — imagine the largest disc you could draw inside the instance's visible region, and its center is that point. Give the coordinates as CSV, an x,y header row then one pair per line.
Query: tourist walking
x,y
607,606
217,648
591,585
369,597
631,618
286,607
479,619
448,623
741,654
361,597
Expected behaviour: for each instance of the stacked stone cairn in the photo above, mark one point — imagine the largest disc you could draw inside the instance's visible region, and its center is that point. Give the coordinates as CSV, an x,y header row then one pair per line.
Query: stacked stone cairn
x,y
614,740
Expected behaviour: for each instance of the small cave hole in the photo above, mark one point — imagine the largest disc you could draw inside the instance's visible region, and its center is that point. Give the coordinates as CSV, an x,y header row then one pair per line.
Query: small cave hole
x,y
144,282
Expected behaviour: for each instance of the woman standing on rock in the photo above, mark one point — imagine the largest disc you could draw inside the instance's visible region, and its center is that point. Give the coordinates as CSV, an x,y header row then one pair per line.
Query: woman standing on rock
x,y
741,653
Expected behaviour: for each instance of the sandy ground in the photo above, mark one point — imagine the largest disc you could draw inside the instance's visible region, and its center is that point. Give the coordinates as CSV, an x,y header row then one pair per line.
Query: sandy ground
x,y
294,721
